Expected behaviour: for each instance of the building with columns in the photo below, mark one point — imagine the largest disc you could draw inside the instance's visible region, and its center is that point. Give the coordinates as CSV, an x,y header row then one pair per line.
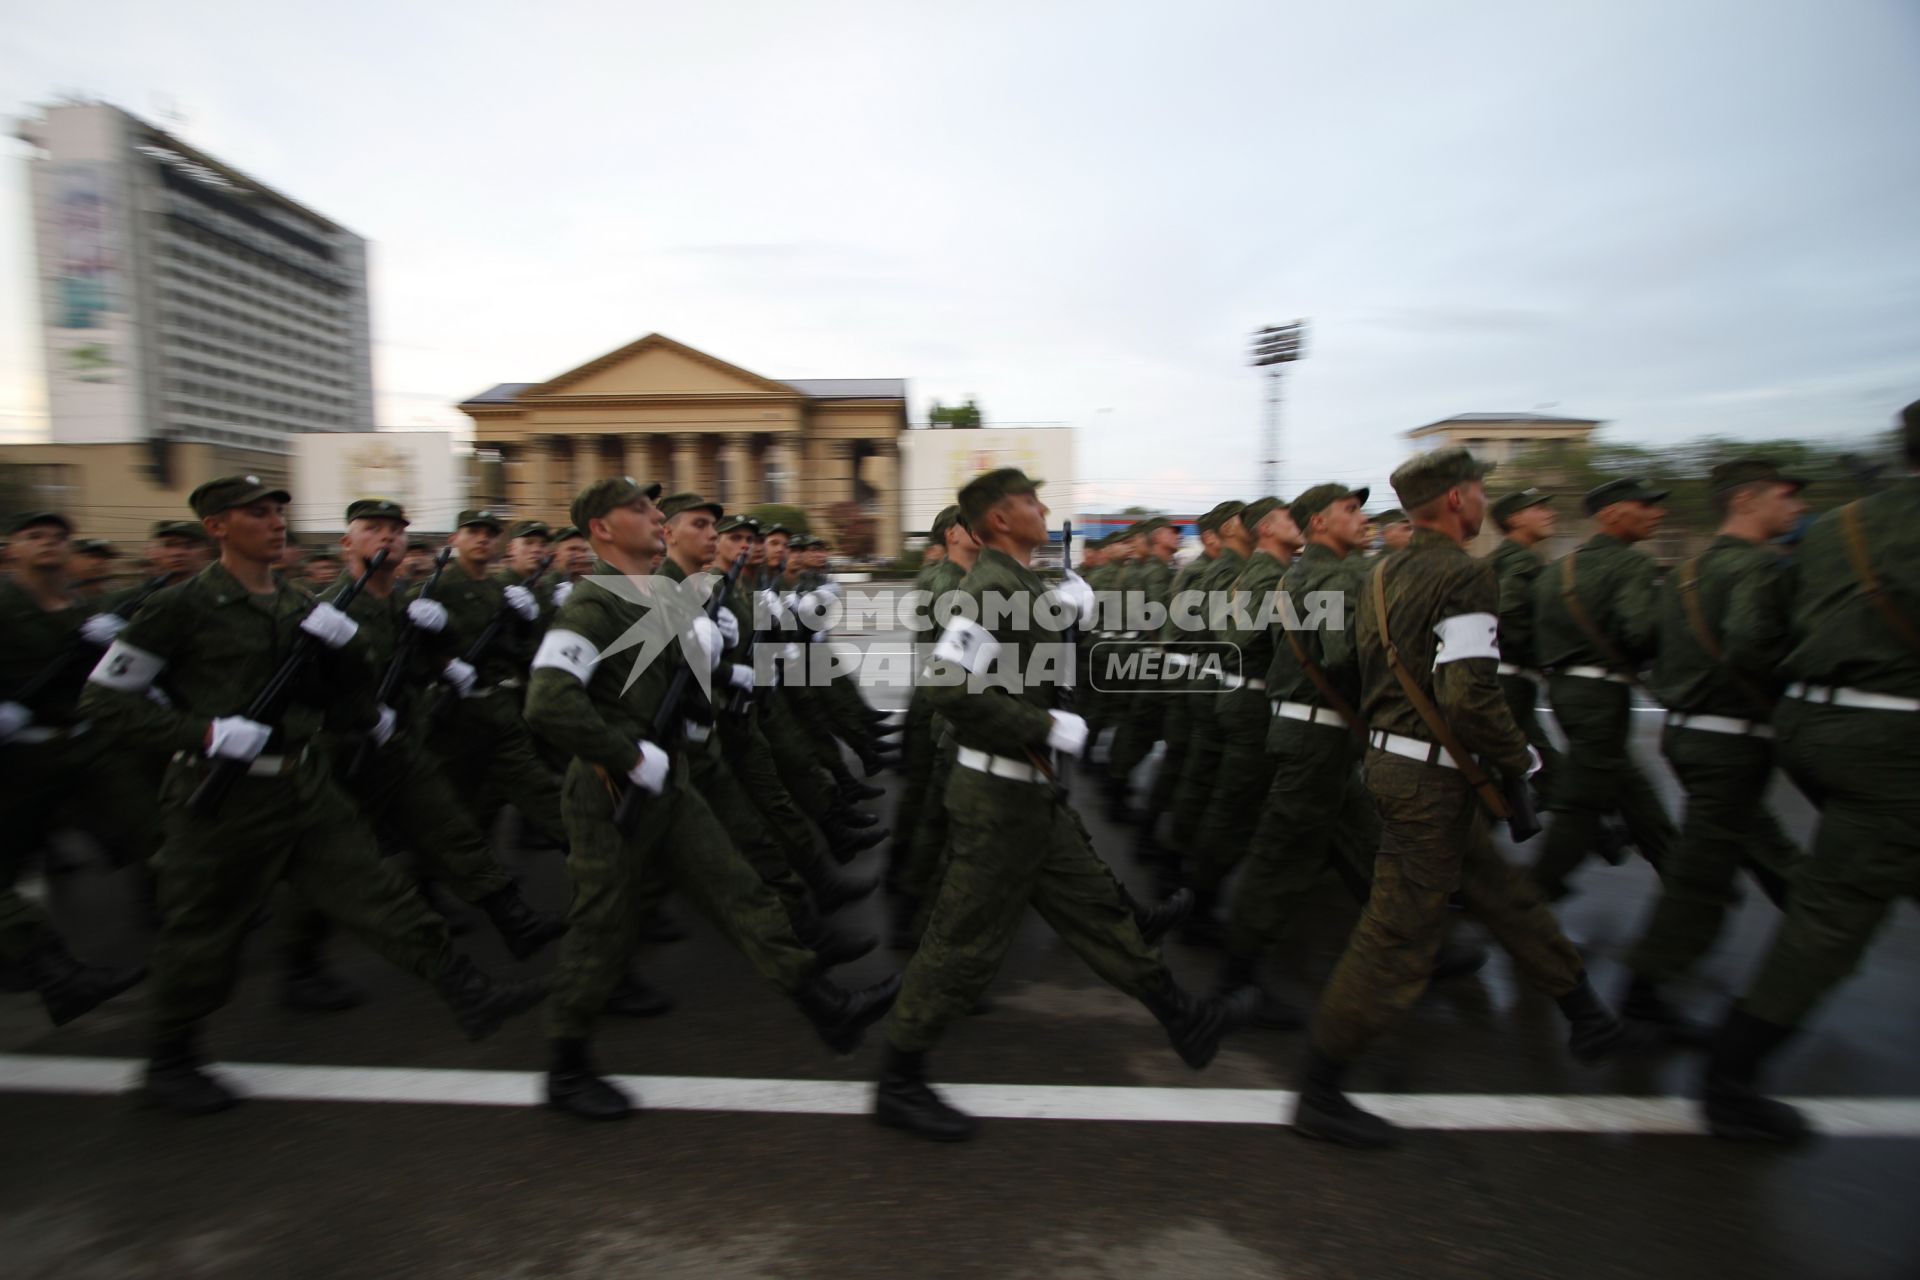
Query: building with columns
x,y
657,409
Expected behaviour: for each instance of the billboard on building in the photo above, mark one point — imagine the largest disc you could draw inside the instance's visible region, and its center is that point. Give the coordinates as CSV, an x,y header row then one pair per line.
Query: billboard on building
x,y
85,287
935,463
417,469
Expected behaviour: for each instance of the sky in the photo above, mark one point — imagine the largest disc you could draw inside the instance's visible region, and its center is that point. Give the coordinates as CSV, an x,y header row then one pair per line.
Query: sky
x,y
1685,219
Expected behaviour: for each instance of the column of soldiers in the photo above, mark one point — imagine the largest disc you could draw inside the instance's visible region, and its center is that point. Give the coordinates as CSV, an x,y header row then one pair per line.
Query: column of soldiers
x,y
1376,727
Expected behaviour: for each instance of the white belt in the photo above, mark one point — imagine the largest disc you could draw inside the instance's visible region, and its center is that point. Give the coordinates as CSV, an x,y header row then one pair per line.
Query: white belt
x,y
1862,699
1310,714
1412,748
1720,724
998,766
1235,682
1508,669
1593,673
35,734
258,767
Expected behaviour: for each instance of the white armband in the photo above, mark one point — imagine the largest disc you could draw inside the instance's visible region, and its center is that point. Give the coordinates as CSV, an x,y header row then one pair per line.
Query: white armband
x,y
1467,635
568,651
969,644
126,668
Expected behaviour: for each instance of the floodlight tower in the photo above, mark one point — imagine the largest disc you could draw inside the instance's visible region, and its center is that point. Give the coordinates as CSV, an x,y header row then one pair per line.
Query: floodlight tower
x,y
1273,347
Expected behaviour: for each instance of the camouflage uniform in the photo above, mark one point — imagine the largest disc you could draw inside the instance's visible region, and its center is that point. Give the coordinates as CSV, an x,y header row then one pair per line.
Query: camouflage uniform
x,y
1515,568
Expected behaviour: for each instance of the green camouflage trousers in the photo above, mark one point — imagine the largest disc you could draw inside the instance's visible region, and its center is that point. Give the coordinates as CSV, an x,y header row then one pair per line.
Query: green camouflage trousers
x,y
1523,700
1861,769
1174,730
214,874
489,757
1317,815
807,781
1197,769
1240,784
1597,776
679,843
1433,843
919,748
1011,846
1726,825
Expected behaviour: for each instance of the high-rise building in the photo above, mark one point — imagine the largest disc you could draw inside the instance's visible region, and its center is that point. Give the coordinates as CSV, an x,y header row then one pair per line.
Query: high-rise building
x,y
185,302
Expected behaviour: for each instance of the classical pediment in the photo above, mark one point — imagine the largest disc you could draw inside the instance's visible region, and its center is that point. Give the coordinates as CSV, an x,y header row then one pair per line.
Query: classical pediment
x,y
657,366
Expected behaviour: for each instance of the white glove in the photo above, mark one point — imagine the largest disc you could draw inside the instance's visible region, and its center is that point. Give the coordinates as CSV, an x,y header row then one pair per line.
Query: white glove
x,y
649,773
101,628
829,588
788,602
740,677
770,606
428,615
1534,763
790,652
695,731
460,675
560,593
238,738
329,626
521,601
382,731
707,636
729,626
818,600
1075,593
1069,733
818,636
13,718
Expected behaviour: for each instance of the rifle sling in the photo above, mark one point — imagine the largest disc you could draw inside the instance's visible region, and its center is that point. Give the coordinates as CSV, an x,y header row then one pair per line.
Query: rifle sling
x,y
1856,539
1689,582
1331,695
1490,795
1609,655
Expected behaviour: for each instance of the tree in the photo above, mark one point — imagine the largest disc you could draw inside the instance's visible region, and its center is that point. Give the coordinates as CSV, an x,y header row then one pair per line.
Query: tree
x,y
778,513
960,415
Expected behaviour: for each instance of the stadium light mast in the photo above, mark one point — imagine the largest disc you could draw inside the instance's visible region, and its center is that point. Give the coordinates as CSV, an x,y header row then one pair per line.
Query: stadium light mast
x,y
1273,347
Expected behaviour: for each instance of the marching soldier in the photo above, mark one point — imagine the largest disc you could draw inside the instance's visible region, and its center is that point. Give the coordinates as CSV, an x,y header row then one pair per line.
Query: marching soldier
x,y
1203,732
1245,770
1723,632
1177,722
179,547
480,734
602,710
1394,529
90,572
1596,623
917,747
54,769
1151,544
1014,840
1847,733
1526,517
399,786
1427,655
211,644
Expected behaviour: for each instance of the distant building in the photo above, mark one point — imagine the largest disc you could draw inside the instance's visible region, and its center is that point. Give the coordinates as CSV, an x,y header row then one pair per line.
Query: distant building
x,y
1501,437
657,409
936,460
114,491
184,302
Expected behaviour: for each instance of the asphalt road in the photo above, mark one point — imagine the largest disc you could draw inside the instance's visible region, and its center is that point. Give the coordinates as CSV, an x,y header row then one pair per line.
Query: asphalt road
x,y
93,1186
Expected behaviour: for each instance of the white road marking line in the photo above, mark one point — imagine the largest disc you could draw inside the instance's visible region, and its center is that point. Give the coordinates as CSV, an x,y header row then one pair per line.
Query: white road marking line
x,y
1464,1113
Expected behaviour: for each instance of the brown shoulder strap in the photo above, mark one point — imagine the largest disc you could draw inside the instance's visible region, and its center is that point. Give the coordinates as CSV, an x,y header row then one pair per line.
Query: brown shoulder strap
x,y
1570,596
1470,769
1856,538
1340,705
1696,613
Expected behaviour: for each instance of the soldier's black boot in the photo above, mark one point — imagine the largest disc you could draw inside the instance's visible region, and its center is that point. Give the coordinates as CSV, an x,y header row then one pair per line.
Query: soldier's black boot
x,y
634,997
873,760
1158,920
1612,841
833,894
1458,960
174,1079
830,947
852,790
523,929
69,988
1736,1110
1270,1013
1595,1031
841,1016
309,985
1645,1009
1196,1026
845,843
903,1100
1324,1111
481,1004
1203,927
573,1087
856,819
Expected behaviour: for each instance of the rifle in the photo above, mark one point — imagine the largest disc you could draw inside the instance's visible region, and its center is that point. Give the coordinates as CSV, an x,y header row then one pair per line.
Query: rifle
x,y
484,641
49,673
760,692
667,720
271,702
1062,692
396,669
